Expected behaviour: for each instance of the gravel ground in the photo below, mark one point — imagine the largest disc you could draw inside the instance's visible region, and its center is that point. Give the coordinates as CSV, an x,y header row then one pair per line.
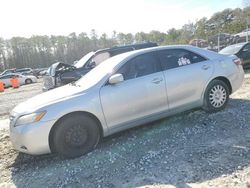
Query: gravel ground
x,y
11,97
191,149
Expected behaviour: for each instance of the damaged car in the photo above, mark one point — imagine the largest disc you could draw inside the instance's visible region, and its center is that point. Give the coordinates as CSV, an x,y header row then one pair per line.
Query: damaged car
x,y
62,73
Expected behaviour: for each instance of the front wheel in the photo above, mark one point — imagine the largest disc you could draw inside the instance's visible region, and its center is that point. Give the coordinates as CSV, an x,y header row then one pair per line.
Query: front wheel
x,y
28,81
216,96
75,135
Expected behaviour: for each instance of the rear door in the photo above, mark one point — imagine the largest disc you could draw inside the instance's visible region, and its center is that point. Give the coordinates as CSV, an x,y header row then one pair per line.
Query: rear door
x,y
140,95
21,79
186,75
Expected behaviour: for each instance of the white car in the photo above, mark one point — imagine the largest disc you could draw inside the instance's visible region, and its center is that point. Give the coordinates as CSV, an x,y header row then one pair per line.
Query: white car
x,y
23,79
243,33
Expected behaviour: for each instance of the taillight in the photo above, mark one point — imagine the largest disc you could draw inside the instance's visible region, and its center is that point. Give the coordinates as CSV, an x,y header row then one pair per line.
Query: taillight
x,y
237,61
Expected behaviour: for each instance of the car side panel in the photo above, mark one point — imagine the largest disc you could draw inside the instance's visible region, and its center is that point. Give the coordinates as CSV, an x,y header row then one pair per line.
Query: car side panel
x,y
133,99
6,82
185,84
224,67
84,102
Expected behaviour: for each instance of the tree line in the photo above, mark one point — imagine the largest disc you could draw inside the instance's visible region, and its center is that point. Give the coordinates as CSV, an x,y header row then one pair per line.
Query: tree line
x,y
42,51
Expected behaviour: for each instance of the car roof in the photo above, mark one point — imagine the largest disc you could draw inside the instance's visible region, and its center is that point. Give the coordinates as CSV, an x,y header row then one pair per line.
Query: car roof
x,y
203,52
23,69
12,74
134,46
241,43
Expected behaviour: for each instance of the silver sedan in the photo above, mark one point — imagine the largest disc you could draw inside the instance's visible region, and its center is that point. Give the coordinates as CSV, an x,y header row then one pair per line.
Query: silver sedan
x,y
125,91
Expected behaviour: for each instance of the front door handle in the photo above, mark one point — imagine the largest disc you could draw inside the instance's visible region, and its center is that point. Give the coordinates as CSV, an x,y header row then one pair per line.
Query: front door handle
x,y
156,80
205,67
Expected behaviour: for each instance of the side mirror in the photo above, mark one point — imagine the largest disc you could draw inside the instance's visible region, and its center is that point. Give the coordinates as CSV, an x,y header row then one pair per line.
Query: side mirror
x,y
116,78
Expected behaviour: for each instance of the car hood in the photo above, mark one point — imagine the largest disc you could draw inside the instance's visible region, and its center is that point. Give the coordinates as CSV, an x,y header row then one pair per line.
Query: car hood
x,y
47,98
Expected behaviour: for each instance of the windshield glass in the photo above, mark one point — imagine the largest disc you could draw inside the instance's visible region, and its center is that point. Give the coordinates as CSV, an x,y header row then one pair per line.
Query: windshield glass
x,y
96,74
230,50
84,59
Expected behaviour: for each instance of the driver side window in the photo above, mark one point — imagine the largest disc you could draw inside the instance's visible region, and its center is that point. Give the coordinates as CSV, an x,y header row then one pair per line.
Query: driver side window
x,y
141,65
101,57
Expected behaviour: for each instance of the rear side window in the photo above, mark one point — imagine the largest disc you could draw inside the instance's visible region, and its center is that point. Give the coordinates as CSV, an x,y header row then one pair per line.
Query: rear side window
x,y
141,65
174,58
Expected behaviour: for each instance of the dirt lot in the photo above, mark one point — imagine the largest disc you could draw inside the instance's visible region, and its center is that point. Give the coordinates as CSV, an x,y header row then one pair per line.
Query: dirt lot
x,y
192,149
11,97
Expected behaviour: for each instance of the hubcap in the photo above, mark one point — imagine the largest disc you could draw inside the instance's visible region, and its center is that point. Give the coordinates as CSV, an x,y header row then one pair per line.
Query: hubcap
x,y
76,136
217,96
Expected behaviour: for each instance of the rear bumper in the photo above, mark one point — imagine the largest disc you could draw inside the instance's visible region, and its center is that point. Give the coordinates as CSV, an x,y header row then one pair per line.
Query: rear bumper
x,y
237,80
32,138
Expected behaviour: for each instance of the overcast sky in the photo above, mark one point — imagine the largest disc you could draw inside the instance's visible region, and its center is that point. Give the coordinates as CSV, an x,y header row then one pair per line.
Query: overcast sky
x,y
62,17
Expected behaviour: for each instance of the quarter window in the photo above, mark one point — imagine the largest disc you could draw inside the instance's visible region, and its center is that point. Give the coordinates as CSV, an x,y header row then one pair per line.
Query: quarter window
x,y
141,65
173,58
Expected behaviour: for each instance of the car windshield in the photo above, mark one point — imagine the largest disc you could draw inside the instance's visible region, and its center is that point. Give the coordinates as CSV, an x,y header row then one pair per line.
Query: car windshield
x,y
84,59
6,72
105,68
230,50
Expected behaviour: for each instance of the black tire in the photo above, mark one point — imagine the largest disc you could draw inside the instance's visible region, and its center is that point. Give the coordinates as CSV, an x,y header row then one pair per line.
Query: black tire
x,y
28,81
75,135
213,101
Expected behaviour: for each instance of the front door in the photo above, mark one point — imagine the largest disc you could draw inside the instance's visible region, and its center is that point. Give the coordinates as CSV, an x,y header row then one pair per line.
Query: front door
x,y
141,94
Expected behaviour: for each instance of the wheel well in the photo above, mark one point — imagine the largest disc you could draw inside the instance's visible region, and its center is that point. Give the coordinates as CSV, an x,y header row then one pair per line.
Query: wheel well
x,y
226,81
52,148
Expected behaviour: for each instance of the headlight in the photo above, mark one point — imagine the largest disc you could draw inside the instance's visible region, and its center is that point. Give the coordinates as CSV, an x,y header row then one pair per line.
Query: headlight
x,y
30,118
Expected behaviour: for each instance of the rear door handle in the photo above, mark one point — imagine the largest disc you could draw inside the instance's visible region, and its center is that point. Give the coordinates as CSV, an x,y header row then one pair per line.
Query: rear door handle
x,y
156,80
205,67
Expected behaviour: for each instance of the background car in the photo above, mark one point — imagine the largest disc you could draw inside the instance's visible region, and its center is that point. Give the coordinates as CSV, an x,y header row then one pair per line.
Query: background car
x,y
39,72
60,73
23,71
7,71
242,36
241,50
23,79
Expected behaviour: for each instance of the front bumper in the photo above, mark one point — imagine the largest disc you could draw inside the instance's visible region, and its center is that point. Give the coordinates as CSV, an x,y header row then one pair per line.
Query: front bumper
x,y
32,138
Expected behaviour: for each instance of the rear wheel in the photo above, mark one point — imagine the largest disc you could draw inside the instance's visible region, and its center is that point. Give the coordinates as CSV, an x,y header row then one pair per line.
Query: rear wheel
x,y
28,81
75,135
216,96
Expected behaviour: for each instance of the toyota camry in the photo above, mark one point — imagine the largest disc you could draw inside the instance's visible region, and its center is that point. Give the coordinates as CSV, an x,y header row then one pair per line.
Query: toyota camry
x,y
127,90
